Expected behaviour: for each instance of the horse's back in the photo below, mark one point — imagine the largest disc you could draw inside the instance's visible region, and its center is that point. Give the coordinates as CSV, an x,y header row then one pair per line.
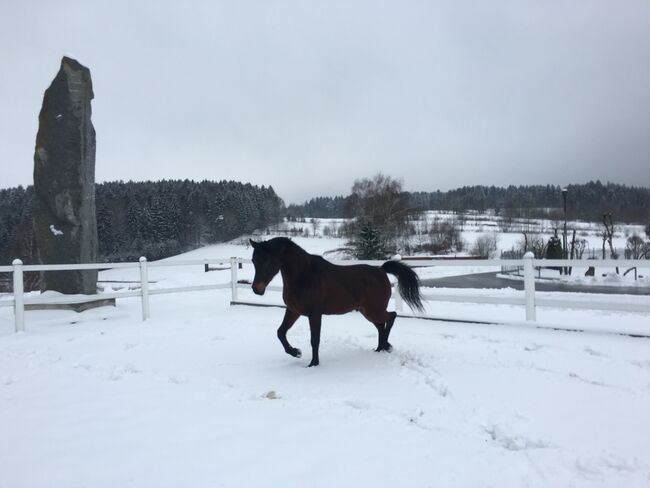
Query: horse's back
x,y
355,286
360,273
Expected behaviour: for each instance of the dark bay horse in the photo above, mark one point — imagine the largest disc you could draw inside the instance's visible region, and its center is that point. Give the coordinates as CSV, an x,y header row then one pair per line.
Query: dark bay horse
x,y
314,287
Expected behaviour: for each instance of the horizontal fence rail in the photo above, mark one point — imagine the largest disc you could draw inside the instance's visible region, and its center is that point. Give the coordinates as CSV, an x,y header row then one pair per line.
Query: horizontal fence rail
x,y
529,300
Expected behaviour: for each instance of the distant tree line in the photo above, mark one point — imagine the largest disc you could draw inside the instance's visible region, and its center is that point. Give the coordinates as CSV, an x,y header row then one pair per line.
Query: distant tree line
x,y
589,201
154,219
321,208
16,235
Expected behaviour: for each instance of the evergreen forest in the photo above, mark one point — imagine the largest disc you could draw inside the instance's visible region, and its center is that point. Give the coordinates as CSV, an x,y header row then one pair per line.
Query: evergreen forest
x,y
588,202
160,219
153,219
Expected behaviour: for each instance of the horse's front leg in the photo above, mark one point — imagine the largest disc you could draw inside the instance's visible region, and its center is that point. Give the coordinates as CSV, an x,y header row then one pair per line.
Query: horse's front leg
x,y
314,327
290,318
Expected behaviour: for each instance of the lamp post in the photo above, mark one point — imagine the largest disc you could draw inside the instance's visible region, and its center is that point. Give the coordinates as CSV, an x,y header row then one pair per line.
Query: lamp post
x,y
564,240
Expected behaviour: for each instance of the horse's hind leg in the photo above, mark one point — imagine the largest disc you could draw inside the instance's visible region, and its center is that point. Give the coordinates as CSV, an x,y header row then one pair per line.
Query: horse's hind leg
x,y
381,336
290,318
383,328
389,326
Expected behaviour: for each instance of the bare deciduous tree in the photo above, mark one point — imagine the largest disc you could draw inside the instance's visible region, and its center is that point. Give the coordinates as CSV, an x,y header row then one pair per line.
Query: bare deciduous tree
x,y
445,236
485,246
634,247
534,243
580,246
608,234
314,225
380,202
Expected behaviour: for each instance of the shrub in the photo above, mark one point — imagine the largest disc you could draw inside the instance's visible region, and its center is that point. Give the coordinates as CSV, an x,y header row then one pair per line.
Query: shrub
x,y
485,246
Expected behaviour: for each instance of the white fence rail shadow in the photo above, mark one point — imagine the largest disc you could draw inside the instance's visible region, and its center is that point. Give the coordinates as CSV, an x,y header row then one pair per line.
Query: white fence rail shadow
x,y
529,300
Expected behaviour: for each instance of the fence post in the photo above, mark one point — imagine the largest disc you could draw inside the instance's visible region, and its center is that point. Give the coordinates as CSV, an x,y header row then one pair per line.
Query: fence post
x,y
398,299
144,287
19,301
233,278
529,285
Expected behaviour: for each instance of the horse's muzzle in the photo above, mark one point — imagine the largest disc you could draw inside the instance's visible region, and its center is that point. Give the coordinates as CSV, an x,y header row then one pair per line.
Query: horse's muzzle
x,y
259,288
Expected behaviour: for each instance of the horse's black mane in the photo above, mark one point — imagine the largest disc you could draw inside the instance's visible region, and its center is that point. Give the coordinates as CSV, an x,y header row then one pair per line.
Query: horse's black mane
x,y
281,240
278,244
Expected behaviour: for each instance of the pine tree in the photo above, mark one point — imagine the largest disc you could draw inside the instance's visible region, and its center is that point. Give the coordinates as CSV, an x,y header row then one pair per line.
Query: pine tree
x,y
554,248
369,244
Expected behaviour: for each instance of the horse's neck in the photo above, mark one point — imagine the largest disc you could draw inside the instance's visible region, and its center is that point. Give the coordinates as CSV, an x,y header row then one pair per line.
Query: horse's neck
x,y
294,263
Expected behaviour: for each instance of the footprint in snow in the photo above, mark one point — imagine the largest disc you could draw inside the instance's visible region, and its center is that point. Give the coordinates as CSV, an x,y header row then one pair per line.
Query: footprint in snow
x,y
586,380
177,381
426,371
593,352
487,339
641,364
357,404
513,442
592,468
119,373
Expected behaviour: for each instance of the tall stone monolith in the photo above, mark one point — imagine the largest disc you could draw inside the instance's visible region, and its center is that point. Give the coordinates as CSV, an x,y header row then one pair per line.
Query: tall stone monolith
x,y
65,227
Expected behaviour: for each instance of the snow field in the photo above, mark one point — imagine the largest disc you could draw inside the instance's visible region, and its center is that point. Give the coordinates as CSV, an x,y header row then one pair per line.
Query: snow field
x,y
203,395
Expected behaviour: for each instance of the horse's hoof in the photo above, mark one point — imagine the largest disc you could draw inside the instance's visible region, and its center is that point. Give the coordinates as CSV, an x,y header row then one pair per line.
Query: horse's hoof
x,y
295,352
313,363
388,348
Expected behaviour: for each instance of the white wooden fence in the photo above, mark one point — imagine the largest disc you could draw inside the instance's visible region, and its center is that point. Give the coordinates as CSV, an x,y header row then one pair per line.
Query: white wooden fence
x,y
529,299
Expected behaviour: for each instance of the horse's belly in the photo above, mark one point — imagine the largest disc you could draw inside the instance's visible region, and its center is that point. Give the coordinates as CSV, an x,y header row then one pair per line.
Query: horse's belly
x,y
339,305
339,309
335,306
334,301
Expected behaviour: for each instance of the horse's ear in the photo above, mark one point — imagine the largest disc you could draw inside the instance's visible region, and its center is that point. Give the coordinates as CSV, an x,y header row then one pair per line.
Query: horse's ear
x,y
253,243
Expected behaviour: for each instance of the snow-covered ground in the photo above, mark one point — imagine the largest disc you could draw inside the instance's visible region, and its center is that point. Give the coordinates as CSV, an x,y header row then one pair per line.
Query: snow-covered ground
x,y
203,395
609,278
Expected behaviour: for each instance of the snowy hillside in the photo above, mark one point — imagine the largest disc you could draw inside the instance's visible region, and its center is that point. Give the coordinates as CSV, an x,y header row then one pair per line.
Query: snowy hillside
x,y
203,395
325,236
471,225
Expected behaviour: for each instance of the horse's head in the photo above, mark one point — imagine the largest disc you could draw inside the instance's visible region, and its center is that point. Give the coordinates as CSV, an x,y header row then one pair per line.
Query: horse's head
x,y
267,265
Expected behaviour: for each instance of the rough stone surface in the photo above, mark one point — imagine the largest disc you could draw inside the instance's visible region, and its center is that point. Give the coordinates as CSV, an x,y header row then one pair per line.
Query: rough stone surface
x,y
65,227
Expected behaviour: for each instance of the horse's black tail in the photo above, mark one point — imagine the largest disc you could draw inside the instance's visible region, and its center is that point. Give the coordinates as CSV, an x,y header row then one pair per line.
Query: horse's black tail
x,y
408,283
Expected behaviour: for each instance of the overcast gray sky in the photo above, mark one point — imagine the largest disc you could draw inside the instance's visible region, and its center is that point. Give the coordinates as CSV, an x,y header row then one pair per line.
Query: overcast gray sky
x,y
307,96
